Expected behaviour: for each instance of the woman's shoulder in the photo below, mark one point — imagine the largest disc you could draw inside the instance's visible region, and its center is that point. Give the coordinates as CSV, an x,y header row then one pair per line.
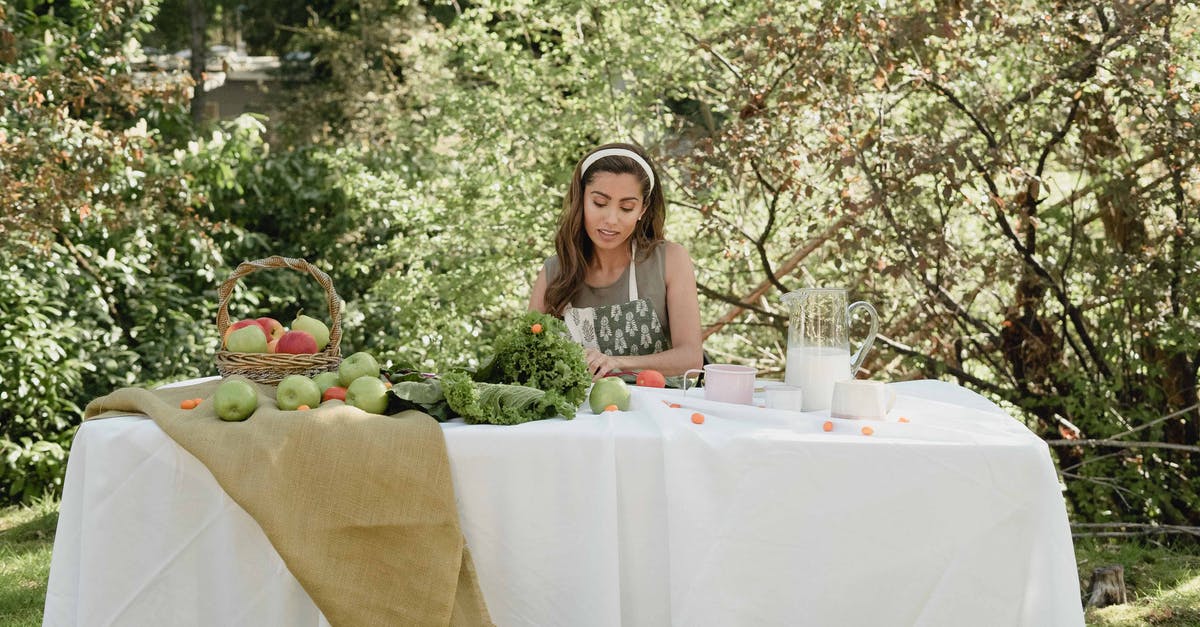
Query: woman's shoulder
x,y
674,253
551,267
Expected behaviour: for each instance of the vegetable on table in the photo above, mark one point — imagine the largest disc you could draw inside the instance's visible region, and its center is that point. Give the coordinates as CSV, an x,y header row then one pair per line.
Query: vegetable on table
x,y
534,372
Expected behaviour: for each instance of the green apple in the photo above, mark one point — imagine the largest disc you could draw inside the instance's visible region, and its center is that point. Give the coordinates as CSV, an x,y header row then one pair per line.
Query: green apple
x,y
296,390
368,394
235,399
313,327
326,380
360,364
609,391
248,339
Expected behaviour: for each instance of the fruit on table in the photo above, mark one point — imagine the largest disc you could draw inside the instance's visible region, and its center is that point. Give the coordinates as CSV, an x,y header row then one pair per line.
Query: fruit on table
x,y
271,327
651,379
368,394
360,364
326,380
296,390
296,343
333,392
235,400
247,339
609,391
313,327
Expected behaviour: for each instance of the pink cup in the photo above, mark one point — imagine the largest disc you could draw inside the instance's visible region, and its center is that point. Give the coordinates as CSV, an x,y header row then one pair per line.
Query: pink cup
x,y
726,383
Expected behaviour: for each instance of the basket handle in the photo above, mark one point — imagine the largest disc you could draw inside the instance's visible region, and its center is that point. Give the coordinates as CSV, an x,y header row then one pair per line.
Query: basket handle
x,y
225,292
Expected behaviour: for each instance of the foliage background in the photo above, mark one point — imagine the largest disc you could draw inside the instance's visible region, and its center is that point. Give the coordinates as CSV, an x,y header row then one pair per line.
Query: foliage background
x,y
1013,185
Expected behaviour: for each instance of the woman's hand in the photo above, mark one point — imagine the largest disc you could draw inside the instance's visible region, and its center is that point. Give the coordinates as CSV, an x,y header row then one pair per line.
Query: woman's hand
x,y
600,364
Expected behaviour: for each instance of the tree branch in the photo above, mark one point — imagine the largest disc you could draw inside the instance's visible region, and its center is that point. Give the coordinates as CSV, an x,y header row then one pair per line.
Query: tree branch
x,y
1080,68
1073,312
761,242
786,267
1124,444
1055,139
715,295
958,104
961,374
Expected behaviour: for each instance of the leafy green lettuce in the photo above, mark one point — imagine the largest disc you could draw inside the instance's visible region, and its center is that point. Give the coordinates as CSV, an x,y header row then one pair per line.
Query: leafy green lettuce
x,y
534,372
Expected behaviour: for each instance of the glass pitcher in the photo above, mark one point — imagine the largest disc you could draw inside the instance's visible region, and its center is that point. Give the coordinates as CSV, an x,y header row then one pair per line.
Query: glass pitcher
x,y
819,345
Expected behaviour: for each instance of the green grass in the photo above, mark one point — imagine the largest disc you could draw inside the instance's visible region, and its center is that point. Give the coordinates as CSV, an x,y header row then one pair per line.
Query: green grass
x,y
26,537
1162,577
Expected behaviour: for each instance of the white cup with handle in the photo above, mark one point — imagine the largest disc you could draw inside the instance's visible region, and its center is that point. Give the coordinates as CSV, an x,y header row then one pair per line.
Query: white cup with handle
x,y
861,399
726,383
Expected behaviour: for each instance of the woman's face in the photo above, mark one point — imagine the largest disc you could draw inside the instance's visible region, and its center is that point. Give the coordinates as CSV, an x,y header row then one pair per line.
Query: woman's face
x,y
612,205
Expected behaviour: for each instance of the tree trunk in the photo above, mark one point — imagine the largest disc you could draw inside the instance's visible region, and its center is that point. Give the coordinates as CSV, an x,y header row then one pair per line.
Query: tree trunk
x,y
199,15
1107,587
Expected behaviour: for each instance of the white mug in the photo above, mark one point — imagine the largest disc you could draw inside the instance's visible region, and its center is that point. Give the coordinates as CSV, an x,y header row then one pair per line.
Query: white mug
x,y
726,383
787,397
861,399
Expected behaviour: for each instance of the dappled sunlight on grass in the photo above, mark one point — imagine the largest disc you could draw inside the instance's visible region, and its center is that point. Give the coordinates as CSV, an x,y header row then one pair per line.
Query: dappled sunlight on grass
x,y
26,540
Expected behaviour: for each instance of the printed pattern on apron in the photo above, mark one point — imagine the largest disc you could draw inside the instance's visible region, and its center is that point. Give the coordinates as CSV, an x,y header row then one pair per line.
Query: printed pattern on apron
x,y
630,328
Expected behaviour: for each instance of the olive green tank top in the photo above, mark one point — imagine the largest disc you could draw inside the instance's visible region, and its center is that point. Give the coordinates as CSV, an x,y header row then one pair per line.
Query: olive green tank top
x,y
651,285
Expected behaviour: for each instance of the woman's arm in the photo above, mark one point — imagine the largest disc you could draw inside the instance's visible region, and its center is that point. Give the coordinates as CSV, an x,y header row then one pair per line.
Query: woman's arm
x,y
537,300
683,308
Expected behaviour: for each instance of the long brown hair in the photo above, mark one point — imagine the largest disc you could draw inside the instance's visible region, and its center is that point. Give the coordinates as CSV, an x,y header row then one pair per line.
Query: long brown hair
x,y
574,247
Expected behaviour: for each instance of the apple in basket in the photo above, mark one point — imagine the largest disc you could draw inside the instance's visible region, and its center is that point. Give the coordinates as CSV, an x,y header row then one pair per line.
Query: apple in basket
x,y
247,339
296,343
313,327
296,390
272,327
241,324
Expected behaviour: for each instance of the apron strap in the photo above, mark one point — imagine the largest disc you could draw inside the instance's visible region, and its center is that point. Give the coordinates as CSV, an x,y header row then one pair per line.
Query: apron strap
x,y
633,293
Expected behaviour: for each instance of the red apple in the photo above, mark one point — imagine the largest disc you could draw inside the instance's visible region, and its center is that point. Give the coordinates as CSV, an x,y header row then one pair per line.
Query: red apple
x,y
239,324
334,391
297,343
272,344
272,327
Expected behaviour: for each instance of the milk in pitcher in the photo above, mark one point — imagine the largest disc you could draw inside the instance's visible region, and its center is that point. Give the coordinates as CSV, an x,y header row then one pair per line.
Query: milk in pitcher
x,y
814,369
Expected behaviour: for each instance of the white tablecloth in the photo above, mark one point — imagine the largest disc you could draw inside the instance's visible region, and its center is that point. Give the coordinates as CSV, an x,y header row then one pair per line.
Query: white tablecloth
x,y
755,517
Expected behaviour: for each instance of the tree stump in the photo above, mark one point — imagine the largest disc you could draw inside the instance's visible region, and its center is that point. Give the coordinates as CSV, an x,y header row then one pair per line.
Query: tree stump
x,y
1107,587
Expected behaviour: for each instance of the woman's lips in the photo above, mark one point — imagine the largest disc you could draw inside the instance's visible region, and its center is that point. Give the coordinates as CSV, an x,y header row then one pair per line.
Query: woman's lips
x,y
607,234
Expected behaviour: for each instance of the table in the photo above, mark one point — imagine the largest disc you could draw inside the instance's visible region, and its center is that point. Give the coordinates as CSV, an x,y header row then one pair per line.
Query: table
x,y
755,517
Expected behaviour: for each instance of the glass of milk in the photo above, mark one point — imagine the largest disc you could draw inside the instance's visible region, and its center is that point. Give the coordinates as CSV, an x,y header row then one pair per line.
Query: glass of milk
x,y
819,342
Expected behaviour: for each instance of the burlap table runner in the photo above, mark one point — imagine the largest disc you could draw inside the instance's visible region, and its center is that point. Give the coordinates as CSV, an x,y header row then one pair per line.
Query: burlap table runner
x,y
361,507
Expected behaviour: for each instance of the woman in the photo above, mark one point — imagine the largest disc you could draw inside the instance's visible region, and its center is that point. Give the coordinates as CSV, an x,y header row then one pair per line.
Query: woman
x,y
626,295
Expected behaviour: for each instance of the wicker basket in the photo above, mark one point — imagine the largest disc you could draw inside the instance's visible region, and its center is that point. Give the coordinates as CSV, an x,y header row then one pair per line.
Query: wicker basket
x,y
273,367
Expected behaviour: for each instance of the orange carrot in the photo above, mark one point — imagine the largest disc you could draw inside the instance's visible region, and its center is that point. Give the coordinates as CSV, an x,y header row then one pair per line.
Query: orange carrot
x,y
612,408
187,404
903,419
698,418
828,426
303,407
536,328
867,431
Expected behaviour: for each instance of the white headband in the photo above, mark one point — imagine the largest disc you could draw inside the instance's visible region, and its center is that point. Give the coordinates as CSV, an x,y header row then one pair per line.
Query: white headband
x,y
616,152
